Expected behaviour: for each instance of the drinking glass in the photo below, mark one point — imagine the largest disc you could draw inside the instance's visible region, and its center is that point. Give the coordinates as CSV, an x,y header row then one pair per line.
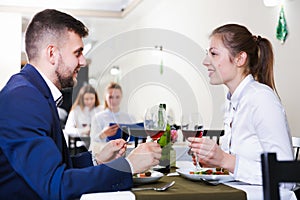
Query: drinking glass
x,y
155,126
192,126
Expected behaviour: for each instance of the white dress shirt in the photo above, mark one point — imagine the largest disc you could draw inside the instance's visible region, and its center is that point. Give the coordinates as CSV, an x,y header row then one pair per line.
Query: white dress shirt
x,y
78,119
54,90
255,122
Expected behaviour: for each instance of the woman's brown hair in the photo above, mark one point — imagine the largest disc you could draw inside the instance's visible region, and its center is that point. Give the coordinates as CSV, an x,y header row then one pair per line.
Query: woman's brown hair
x,y
237,38
79,99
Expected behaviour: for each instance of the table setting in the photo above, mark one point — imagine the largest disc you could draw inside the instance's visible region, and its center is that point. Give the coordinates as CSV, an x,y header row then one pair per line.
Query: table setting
x,y
147,177
186,187
184,180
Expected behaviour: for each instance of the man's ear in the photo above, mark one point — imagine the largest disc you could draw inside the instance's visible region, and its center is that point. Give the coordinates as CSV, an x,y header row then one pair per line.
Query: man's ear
x,y
51,54
241,59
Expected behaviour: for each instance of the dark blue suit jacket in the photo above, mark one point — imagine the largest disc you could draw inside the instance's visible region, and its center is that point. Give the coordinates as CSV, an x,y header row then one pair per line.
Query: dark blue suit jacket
x,y
34,159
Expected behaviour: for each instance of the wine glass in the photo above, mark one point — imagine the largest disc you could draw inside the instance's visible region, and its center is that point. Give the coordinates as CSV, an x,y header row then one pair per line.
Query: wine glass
x,y
155,122
192,126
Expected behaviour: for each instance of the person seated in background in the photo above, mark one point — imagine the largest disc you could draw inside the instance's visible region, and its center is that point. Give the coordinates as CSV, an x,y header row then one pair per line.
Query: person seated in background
x,y
255,120
34,159
85,106
105,124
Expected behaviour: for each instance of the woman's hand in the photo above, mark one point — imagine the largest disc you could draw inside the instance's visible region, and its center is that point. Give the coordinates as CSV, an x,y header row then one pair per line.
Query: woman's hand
x,y
111,150
210,154
109,131
86,131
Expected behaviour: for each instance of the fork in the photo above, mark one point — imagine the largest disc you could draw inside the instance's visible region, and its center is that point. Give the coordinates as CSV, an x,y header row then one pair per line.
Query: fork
x,y
198,165
163,188
128,133
215,182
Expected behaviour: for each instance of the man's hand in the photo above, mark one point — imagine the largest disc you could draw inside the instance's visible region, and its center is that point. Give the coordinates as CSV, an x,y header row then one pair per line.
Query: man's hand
x,y
145,156
111,150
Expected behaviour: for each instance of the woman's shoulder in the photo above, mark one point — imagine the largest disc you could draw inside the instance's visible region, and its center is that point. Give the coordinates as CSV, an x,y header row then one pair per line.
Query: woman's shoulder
x,y
99,108
259,88
76,109
100,112
259,93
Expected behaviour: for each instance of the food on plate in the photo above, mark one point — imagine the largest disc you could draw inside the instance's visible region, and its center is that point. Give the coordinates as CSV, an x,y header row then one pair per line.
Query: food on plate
x,y
143,175
217,171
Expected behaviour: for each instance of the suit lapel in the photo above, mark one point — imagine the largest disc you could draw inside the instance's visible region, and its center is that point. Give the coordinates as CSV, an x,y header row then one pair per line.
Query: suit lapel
x,y
33,76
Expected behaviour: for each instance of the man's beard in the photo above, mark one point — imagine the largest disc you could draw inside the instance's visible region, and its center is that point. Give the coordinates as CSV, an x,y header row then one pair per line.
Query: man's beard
x,y
64,81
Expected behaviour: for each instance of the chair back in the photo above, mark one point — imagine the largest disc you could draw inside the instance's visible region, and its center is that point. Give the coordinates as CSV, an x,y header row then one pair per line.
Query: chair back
x,y
275,172
296,146
213,134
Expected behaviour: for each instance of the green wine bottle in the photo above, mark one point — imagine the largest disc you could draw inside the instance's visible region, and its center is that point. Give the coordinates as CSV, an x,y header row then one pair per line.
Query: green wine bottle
x,y
161,119
165,144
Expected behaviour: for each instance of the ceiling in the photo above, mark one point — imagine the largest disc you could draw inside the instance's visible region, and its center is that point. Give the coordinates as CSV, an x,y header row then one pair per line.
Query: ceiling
x,y
80,8
86,8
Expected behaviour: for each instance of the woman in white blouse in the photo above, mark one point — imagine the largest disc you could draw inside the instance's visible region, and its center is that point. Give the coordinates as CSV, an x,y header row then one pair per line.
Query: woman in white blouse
x,y
105,125
255,121
86,105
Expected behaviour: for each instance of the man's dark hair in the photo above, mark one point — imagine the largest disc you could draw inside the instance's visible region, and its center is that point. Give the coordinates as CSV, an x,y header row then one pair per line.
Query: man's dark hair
x,y
50,25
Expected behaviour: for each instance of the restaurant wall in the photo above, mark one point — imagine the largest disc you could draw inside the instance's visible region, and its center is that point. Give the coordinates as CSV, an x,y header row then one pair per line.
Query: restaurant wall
x,y
196,18
10,40
193,19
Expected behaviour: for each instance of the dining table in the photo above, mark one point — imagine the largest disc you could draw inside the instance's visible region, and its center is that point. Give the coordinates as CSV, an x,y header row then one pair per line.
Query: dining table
x,y
182,189
189,189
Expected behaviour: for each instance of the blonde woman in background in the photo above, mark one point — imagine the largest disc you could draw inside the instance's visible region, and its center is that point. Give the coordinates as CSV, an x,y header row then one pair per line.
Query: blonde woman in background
x,y
102,129
86,105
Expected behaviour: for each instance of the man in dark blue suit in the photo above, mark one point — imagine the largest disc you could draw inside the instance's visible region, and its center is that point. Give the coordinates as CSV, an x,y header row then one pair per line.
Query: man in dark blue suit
x,y
34,159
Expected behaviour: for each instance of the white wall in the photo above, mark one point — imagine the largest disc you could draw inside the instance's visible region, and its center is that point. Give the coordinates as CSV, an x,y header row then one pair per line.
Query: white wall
x,y
10,40
194,19
197,18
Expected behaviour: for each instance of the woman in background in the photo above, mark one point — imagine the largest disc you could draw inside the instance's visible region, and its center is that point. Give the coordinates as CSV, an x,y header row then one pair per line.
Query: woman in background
x,y
105,124
255,121
86,105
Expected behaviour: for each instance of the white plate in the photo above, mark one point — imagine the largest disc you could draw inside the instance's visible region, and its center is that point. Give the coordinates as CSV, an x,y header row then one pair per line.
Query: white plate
x,y
155,176
197,177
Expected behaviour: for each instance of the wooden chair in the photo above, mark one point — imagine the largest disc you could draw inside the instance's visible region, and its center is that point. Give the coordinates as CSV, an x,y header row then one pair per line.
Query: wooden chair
x,y
213,134
296,146
275,172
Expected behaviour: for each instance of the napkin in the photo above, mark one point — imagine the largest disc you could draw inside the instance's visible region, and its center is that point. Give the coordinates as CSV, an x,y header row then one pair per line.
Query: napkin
x,y
173,174
123,195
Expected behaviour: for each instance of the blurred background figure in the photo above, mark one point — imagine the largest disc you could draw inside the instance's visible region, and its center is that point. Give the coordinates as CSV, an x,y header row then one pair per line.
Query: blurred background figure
x,y
86,105
105,125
